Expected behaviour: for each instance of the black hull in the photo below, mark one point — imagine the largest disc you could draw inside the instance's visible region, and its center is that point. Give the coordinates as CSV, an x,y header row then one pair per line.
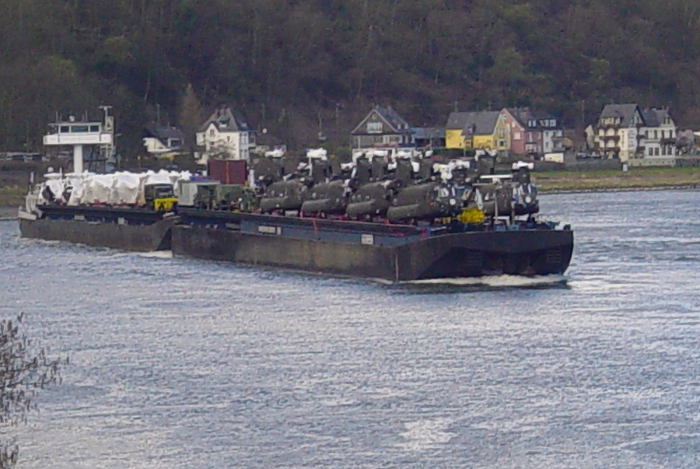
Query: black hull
x,y
467,254
366,250
126,229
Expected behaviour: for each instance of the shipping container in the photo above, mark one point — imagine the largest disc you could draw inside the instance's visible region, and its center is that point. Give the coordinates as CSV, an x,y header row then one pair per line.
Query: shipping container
x,y
228,171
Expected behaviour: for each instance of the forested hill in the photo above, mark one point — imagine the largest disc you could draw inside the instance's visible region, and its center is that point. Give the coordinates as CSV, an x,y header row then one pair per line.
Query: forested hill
x,y
284,62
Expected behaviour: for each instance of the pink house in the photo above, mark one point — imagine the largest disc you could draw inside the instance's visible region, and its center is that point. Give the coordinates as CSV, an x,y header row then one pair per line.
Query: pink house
x,y
531,132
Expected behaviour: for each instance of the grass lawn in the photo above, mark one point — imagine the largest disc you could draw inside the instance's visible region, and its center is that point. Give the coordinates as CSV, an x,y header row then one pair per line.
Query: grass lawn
x,y
12,196
611,179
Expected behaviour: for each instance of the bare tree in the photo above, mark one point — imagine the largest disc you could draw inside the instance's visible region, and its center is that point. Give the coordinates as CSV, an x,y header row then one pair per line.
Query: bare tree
x,y
24,371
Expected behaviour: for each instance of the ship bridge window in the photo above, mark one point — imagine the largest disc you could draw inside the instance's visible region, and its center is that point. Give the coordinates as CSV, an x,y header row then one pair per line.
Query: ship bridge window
x,y
94,128
64,129
79,129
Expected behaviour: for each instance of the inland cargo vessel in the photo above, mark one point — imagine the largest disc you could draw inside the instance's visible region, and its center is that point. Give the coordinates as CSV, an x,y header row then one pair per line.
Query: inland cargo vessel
x,y
398,219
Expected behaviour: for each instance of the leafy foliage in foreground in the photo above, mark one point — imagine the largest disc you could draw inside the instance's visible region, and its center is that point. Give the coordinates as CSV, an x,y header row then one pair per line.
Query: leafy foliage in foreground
x,y
24,371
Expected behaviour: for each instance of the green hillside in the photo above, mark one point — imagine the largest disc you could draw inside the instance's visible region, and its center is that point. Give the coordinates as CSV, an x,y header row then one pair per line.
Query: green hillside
x,y
293,66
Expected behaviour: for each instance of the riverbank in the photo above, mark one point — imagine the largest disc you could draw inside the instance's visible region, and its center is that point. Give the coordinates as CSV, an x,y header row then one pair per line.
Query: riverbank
x,y
553,182
12,196
615,181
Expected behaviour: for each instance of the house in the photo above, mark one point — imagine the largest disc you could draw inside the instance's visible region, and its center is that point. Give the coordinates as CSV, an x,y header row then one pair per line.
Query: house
x,y
433,137
476,130
382,127
163,141
618,131
265,142
225,135
642,138
532,132
660,134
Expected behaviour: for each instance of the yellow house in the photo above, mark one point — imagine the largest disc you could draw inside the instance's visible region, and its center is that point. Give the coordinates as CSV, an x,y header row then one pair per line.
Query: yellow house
x,y
479,130
454,139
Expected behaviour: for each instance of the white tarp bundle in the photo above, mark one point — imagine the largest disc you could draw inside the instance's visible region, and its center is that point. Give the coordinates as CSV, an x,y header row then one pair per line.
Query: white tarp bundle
x,y
122,188
275,153
98,189
76,183
318,153
125,188
523,164
161,177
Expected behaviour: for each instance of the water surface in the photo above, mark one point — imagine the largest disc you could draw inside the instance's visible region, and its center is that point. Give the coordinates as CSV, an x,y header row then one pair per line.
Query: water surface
x,y
188,364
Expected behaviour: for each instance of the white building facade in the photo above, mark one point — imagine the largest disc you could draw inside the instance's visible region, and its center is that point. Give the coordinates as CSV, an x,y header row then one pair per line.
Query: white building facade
x,y
660,135
636,137
225,136
163,141
549,139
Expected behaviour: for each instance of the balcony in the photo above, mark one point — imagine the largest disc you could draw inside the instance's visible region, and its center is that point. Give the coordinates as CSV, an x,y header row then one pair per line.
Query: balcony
x,y
87,138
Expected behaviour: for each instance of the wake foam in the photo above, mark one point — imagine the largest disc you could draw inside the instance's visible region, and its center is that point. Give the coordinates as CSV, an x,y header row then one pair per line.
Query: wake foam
x,y
157,254
497,281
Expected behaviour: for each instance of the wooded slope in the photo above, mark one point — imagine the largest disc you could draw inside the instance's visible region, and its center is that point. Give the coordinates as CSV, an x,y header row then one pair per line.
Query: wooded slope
x,y
285,62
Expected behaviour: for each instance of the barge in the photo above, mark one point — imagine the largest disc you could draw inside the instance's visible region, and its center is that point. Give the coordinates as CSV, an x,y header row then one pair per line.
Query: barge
x,y
400,220
119,228
370,250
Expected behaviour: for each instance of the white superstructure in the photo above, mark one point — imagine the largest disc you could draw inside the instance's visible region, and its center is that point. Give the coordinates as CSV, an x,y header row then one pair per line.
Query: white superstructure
x,y
78,134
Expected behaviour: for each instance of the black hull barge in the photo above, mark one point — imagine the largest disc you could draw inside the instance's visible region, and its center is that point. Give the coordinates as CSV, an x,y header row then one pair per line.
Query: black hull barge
x,y
119,228
391,252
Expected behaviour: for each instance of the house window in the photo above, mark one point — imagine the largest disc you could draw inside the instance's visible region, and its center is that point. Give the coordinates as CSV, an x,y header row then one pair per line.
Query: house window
x,y
650,151
517,136
374,127
656,135
501,143
212,133
656,151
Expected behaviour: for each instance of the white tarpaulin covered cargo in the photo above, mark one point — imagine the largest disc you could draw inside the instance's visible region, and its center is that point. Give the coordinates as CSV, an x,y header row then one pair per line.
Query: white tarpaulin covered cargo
x,y
125,188
122,188
98,189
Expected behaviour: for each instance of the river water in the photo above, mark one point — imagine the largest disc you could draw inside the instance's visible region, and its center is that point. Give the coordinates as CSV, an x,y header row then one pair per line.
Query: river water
x,y
189,364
